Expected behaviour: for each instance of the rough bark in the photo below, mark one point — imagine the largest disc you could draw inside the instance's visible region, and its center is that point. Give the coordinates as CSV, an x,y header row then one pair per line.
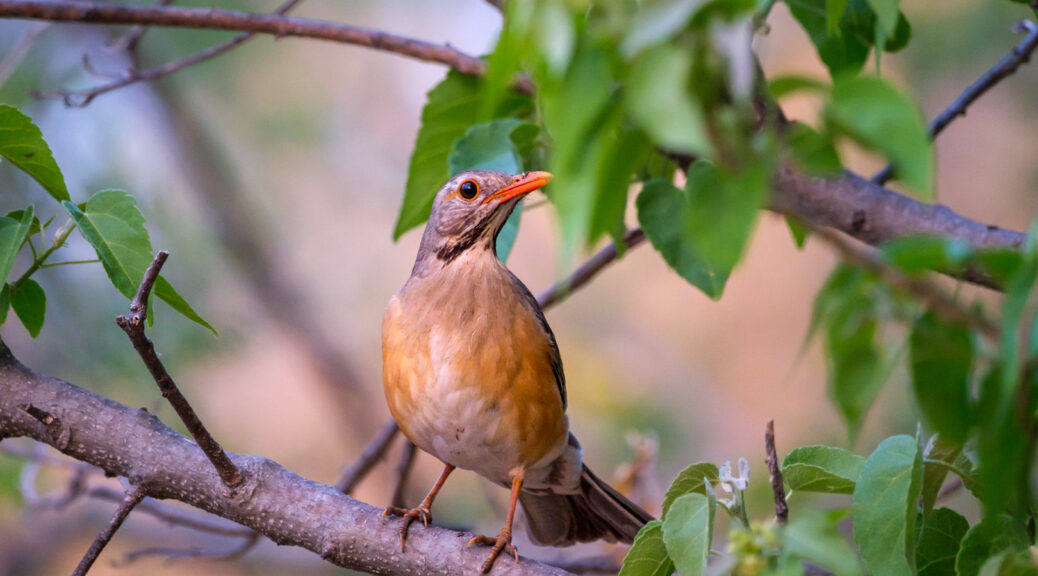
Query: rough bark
x,y
274,501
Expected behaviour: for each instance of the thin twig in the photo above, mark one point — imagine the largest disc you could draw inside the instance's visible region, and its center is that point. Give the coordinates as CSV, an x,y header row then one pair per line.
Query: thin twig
x,y
14,57
133,324
920,288
775,475
133,496
129,41
81,98
234,553
588,270
1018,56
373,452
402,473
172,516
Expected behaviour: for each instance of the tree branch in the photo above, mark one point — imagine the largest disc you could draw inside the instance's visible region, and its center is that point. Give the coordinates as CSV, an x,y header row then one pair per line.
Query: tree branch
x,y
1018,56
588,270
403,471
373,452
133,325
133,497
216,19
273,501
81,98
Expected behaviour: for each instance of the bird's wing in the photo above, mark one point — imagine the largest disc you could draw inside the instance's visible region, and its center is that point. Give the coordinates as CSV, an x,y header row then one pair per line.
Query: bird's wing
x,y
530,303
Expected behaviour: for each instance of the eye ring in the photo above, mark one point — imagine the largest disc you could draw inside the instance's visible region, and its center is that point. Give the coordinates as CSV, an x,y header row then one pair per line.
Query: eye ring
x,y
468,190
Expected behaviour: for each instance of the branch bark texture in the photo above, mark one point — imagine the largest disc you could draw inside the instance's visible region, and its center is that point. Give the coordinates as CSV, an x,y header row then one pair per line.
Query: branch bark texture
x,y
273,501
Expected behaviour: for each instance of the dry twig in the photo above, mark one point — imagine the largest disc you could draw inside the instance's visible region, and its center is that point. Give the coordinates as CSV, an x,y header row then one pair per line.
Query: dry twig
x,y
403,470
1018,56
133,324
133,496
373,452
81,98
778,487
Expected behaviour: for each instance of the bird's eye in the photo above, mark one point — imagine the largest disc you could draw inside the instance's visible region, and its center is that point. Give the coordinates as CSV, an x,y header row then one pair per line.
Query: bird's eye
x,y
468,190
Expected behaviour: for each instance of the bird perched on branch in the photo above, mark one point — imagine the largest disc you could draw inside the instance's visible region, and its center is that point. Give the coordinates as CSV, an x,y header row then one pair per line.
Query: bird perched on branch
x,y
473,376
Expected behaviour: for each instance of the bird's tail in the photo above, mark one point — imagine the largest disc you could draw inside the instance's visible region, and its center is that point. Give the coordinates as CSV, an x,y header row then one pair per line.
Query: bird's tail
x,y
597,512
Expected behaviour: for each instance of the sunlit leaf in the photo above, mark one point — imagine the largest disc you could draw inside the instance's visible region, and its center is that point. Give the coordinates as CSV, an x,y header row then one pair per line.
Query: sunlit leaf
x,y
885,504
658,98
22,144
688,531
822,469
879,117
648,555
111,222
693,479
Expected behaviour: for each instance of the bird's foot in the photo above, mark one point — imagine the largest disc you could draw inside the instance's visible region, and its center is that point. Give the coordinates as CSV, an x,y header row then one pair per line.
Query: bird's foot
x,y
409,515
502,542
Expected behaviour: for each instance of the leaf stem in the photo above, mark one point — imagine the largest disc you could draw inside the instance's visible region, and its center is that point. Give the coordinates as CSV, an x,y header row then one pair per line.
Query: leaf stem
x,y
60,236
68,262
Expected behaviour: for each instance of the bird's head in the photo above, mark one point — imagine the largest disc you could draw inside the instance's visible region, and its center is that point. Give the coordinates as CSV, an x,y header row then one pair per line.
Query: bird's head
x,y
470,209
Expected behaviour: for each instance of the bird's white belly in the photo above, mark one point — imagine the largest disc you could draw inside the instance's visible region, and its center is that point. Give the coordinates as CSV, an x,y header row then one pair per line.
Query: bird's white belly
x,y
458,426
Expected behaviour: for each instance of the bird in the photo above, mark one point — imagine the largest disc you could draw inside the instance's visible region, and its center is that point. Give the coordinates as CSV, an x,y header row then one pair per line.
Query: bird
x,y
473,376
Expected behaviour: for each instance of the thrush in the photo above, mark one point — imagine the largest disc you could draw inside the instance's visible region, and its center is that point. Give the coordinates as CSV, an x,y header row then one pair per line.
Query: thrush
x,y
472,375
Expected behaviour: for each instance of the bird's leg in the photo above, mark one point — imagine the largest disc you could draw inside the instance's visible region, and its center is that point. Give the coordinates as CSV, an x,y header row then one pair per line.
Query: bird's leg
x,y
422,512
504,537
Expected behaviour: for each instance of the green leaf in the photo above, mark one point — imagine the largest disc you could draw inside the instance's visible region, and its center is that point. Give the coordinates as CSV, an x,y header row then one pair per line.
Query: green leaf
x,y
659,100
887,15
941,357
843,31
879,117
1010,563
5,302
917,254
814,535
791,84
822,469
661,209
834,10
13,234
939,542
656,23
798,231
855,373
111,222
22,144
648,555
165,292
813,152
687,532
35,228
451,107
30,304
988,538
692,479
885,506
490,146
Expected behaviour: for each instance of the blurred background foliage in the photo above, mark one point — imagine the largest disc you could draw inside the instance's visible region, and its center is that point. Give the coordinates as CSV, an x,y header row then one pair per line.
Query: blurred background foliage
x,y
311,142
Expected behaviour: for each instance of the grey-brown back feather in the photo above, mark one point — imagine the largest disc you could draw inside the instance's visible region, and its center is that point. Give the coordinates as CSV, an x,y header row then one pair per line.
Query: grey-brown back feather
x,y
598,512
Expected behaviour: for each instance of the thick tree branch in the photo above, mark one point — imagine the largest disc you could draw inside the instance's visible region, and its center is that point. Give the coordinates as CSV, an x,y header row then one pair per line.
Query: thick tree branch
x,y
1018,56
275,502
133,324
133,497
216,19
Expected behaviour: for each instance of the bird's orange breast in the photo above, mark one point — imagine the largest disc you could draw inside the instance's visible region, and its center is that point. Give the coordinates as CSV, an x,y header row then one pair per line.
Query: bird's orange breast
x,y
468,375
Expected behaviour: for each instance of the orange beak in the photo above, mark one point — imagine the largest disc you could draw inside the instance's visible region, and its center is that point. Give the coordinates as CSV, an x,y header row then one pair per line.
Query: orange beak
x,y
521,185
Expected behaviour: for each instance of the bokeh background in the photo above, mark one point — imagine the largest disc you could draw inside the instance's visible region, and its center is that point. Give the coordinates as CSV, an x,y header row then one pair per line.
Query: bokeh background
x,y
274,174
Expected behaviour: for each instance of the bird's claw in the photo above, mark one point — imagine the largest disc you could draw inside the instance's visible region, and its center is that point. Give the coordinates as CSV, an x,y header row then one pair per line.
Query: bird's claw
x,y
408,515
503,542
